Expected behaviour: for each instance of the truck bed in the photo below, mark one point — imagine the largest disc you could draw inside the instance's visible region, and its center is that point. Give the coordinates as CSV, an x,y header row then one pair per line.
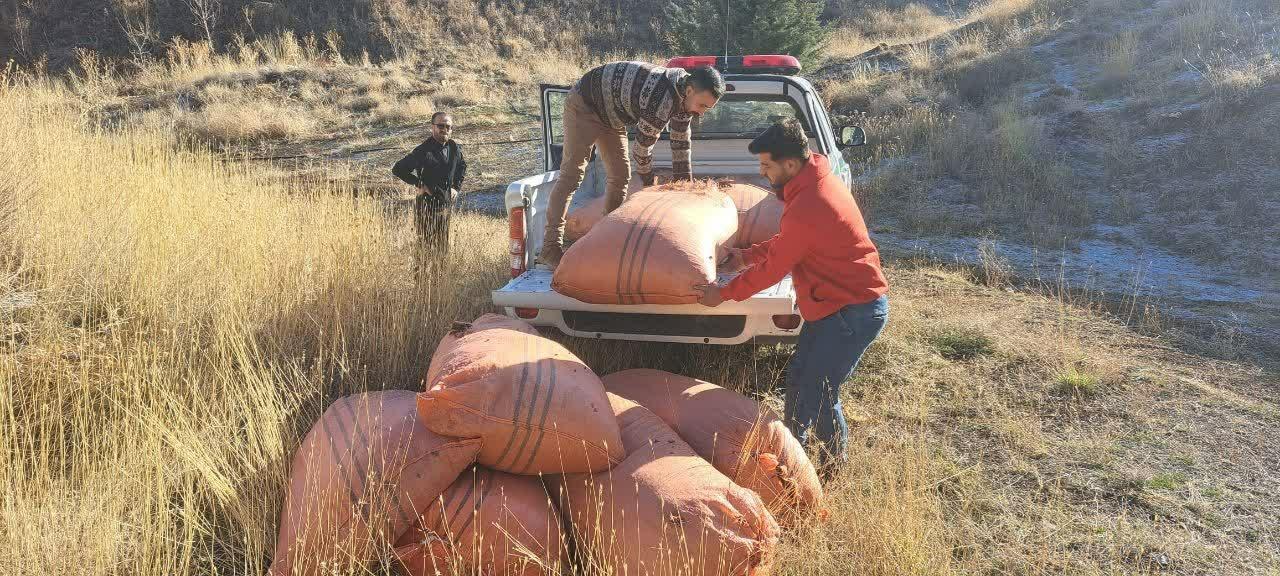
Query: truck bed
x,y
532,289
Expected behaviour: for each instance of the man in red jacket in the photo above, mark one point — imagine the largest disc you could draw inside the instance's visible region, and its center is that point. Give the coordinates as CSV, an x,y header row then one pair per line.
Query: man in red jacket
x,y
840,288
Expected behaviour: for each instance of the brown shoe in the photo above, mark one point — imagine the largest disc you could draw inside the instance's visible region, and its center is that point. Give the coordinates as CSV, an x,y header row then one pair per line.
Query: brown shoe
x,y
550,255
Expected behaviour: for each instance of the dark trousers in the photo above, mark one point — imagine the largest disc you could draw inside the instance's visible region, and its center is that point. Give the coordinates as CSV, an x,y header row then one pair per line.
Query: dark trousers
x,y
431,221
826,355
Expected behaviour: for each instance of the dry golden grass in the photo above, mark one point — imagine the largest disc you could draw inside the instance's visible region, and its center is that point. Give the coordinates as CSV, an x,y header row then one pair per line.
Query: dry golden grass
x,y
847,42
943,105
284,88
462,89
189,319
1232,83
853,91
247,121
911,23
192,318
1002,13
1200,25
1200,72
969,45
544,67
190,323
993,126
414,108
919,57
1119,57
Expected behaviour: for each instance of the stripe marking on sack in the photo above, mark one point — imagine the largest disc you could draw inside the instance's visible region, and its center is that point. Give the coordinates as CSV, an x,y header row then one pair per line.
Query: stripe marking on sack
x,y
542,421
334,451
544,366
649,223
639,223
515,415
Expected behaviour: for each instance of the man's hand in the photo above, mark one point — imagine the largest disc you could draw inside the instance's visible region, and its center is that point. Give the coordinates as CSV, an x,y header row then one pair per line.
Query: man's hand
x,y
710,295
737,260
453,194
646,179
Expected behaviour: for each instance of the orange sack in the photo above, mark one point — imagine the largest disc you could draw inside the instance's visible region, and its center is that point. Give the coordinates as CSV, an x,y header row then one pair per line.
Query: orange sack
x,y
357,479
654,249
580,221
746,442
484,322
534,405
665,511
487,522
759,213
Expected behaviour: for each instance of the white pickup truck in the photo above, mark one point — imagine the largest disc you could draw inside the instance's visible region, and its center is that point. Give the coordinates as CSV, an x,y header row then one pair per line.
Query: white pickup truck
x,y
759,91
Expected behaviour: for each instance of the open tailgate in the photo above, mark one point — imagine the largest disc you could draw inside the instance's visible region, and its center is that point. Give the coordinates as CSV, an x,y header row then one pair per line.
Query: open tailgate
x,y
532,289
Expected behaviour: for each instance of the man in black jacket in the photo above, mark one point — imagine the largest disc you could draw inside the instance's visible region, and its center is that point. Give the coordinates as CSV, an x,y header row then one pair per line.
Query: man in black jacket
x,y
436,167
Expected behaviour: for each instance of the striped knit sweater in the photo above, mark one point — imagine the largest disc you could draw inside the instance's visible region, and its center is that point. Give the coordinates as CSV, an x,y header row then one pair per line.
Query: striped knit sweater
x,y
645,96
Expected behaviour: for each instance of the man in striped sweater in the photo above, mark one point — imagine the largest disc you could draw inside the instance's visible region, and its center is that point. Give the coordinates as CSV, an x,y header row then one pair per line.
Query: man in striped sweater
x,y
597,112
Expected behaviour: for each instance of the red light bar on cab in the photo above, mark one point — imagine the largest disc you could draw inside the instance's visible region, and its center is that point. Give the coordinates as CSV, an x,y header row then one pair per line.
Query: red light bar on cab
x,y
753,64
689,62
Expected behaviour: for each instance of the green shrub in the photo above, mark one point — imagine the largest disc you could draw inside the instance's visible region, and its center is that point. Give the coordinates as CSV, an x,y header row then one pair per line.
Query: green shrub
x,y
755,27
962,343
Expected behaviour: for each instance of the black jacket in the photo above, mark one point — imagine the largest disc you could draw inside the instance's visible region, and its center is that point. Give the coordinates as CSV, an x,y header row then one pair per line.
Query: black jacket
x,y
427,166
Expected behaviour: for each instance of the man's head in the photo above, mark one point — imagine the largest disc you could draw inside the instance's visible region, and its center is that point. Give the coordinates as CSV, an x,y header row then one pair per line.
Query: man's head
x,y
702,89
441,126
783,150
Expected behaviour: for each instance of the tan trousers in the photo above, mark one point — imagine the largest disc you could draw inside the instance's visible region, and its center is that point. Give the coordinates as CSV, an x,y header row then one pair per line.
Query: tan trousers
x,y
582,128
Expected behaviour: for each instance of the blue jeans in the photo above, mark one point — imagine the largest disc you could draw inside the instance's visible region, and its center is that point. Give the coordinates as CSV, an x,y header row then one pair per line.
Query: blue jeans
x,y
826,356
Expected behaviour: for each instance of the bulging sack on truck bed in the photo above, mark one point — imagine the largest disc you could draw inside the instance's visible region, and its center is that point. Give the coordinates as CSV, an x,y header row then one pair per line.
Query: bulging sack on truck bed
x,y
358,479
535,407
664,510
487,522
580,220
743,440
654,249
759,213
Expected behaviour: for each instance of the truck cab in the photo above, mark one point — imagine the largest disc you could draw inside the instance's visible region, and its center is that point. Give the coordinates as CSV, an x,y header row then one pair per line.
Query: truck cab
x,y
759,91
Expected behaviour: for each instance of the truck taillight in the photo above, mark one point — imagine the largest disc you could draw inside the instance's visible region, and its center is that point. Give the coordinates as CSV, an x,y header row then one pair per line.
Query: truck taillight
x,y
527,313
781,62
515,228
787,321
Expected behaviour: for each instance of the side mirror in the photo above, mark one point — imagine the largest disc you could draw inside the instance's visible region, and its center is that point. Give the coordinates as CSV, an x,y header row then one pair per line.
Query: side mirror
x,y
851,136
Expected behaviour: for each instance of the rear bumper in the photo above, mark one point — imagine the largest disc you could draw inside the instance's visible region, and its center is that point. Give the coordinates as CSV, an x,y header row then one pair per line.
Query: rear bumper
x,y
532,289
730,323
752,326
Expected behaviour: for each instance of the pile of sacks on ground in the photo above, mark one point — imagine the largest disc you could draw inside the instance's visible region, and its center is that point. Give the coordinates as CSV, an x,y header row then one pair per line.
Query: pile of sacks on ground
x,y
663,242
516,459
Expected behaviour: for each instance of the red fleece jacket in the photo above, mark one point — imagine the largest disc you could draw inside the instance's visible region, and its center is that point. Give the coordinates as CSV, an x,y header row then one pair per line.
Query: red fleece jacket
x,y
823,244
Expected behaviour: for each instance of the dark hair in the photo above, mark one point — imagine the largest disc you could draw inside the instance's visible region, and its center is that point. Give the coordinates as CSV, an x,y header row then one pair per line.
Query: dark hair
x,y
707,79
784,139
439,114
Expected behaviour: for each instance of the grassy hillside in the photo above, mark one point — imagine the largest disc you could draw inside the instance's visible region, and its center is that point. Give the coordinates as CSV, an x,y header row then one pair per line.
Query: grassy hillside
x,y
174,316
134,31
174,323
1040,122
1135,122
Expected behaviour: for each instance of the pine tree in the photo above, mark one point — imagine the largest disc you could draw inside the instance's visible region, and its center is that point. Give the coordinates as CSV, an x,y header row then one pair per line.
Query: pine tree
x,y
755,27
